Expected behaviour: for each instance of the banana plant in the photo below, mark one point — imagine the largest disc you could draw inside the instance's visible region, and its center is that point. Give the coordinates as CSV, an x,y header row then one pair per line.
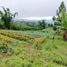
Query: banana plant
x,y
7,16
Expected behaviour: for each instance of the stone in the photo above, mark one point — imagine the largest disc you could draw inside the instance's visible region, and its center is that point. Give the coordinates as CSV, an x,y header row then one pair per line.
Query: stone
x,y
65,35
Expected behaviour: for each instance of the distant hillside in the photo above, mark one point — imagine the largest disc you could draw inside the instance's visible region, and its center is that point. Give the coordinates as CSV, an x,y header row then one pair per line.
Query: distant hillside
x,y
36,19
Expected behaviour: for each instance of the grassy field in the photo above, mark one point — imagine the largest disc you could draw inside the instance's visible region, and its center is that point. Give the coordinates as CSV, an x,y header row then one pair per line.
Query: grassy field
x,y
32,49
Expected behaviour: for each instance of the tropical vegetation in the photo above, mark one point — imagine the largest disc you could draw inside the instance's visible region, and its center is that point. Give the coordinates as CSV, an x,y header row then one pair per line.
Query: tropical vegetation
x,y
25,44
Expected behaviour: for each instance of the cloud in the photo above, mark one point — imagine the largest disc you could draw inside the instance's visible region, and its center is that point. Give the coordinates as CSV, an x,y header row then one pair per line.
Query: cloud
x,y
32,8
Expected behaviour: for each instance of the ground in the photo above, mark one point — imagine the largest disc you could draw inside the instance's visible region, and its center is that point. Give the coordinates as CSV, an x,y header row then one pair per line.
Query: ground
x,y
32,49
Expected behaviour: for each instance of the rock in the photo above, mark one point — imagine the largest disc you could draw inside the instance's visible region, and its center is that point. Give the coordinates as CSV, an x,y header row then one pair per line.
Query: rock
x,y
65,35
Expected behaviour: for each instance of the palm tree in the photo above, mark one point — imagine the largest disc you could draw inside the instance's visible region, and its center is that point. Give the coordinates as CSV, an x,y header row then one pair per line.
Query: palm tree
x,y
7,16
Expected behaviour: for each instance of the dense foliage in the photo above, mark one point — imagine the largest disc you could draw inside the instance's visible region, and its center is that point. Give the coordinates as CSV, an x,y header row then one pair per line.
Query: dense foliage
x,y
61,19
22,25
6,17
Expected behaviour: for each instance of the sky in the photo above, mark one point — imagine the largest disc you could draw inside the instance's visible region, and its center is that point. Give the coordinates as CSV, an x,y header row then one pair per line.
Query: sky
x,y
32,8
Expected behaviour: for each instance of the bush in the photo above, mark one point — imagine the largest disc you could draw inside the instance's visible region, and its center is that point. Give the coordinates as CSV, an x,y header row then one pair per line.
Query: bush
x,y
2,25
38,43
55,28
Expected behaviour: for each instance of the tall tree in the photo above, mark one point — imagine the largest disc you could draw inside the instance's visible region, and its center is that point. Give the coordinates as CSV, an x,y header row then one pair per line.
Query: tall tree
x,y
61,13
62,18
62,7
7,16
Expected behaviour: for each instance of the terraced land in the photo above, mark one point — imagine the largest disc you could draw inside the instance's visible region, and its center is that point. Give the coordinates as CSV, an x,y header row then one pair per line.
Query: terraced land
x,y
32,49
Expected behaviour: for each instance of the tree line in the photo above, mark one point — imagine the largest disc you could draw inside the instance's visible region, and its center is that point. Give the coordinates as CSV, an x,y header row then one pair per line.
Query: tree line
x,y
60,20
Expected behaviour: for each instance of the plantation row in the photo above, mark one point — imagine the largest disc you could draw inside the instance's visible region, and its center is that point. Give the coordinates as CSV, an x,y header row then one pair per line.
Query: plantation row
x,y
17,36
7,37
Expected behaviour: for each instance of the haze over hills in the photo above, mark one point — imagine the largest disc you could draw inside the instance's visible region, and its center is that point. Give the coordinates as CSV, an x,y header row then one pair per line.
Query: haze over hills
x,y
35,19
38,18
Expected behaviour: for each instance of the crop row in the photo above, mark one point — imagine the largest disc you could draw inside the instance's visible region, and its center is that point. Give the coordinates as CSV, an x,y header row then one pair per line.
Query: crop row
x,y
8,37
5,40
39,40
16,36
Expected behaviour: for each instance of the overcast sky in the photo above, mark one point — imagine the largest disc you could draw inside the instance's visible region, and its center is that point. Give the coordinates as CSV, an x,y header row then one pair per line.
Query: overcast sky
x,y
32,8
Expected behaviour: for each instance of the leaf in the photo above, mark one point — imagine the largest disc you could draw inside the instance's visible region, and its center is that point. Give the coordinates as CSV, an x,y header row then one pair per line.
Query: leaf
x,y
1,13
15,14
4,10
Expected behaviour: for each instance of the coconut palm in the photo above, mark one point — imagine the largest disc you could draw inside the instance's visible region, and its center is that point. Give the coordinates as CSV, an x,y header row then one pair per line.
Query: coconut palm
x,y
7,16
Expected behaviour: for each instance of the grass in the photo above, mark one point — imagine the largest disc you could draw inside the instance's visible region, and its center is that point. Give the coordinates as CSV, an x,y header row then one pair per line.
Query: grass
x,y
42,52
